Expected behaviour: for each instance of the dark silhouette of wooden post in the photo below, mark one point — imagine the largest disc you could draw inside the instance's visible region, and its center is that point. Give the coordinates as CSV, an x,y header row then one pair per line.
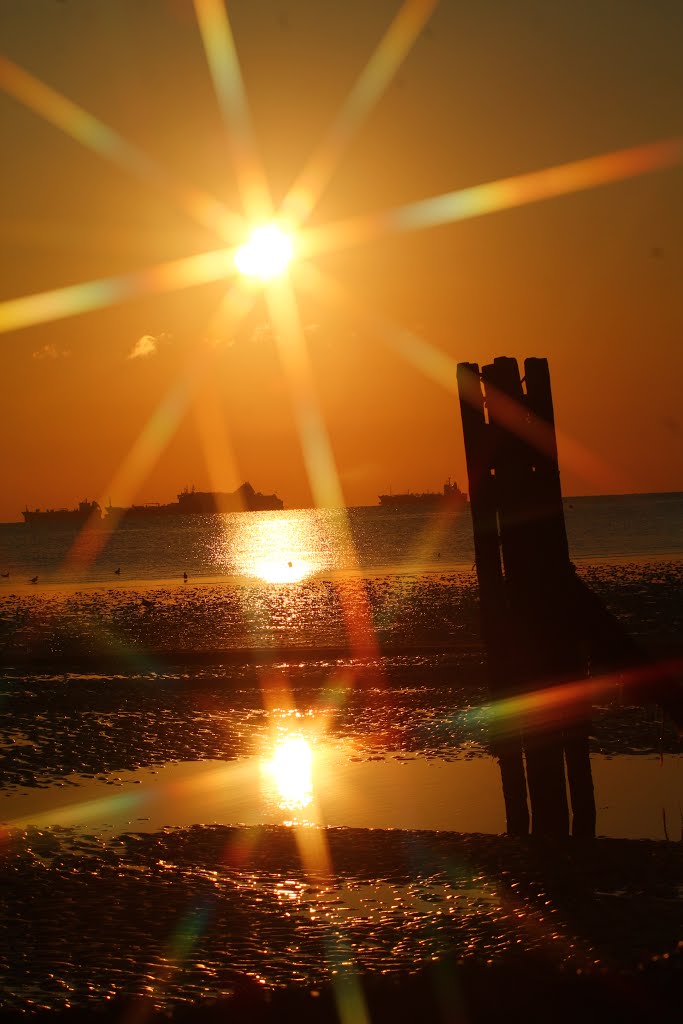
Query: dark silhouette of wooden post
x,y
567,652
527,592
506,736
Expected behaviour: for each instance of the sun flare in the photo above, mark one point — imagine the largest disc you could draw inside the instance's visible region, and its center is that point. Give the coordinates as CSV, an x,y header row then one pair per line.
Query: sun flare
x,y
266,254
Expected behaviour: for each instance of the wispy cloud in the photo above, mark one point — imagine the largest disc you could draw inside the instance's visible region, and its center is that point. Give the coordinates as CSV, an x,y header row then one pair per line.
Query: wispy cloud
x,y
51,352
148,345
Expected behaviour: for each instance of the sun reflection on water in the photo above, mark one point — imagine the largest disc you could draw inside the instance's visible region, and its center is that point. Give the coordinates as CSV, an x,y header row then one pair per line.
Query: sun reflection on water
x,y
291,770
275,549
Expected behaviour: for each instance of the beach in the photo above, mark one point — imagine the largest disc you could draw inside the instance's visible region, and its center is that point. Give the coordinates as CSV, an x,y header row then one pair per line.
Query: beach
x,y
156,860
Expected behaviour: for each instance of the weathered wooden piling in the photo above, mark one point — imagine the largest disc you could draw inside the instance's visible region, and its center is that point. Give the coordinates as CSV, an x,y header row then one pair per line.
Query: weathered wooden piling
x,y
506,736
526,582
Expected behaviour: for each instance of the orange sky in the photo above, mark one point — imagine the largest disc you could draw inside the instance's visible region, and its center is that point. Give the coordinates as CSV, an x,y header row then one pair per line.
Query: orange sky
x,y
593,279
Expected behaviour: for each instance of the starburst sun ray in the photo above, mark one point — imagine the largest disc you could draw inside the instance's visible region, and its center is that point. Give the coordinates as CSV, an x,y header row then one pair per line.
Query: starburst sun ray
x,y
90,131
436,365
373,80
155,435
221,55
495,196
71,300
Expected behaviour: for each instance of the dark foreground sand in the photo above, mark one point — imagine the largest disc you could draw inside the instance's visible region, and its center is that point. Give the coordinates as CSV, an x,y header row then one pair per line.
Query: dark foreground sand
x,y
216,923
444,992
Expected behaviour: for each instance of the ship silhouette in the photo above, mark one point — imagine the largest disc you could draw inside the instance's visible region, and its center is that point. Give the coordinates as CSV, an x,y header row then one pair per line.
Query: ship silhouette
x,y
451,497
87,511
192,502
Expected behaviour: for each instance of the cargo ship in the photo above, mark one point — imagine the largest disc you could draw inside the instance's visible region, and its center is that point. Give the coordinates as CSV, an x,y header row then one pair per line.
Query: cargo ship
x,y
451,498
87,512
191,502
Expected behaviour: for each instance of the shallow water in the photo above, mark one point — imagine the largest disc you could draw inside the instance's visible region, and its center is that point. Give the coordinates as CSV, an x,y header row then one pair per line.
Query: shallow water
x,y
638,797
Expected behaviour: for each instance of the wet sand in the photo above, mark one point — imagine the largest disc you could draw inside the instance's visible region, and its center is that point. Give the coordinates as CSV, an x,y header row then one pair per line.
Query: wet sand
x,y
185,917
151,626
310,922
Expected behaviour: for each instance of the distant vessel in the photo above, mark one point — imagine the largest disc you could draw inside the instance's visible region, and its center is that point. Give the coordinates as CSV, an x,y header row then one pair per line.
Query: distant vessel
x,y
244,499
87,511
191,502
451,497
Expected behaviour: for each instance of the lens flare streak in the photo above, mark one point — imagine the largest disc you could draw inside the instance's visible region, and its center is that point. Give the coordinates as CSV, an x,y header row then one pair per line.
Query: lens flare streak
x,y
87,129
437,365
557,706
432,361
564,179
221,54
494,196
72,300
315,441
368,88
150,443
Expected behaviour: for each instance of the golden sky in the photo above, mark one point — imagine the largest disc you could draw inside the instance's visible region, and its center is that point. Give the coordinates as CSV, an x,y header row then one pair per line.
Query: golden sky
x,y
119,156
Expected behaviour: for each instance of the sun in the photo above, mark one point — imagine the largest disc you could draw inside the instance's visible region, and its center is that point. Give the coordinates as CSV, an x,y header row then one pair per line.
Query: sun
x,y
266,254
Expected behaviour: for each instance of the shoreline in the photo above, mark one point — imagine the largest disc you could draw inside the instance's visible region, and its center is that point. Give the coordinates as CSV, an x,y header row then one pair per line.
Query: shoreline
x,y
143,584
435,605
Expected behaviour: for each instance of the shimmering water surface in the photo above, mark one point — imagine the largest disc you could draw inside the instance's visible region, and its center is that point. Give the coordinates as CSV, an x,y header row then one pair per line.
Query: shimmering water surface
x,y
297,544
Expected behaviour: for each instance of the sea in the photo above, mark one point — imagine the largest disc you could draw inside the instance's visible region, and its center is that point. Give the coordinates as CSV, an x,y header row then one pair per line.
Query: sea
x,y
178,697
292,545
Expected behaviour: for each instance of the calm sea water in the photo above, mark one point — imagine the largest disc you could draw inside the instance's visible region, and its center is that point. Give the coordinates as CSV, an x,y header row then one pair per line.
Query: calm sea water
x,y
293,545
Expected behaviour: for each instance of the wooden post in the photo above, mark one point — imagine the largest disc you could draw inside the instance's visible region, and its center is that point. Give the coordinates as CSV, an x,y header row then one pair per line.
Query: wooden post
x,y
533,638
524,565
540,623
506,736
566,649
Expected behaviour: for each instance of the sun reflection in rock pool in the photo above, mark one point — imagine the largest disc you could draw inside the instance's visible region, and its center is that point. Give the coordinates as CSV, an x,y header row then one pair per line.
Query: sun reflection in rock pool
x,y
290,770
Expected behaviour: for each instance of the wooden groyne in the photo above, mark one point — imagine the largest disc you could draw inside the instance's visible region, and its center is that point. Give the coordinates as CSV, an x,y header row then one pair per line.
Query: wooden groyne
x,y
543,629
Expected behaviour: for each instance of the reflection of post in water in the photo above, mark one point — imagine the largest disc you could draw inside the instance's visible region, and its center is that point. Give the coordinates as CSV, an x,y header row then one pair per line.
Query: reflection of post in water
x,y
526,583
